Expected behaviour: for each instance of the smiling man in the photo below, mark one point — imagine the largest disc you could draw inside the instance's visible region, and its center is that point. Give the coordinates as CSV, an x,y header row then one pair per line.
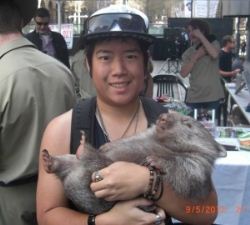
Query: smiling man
x,y
116,50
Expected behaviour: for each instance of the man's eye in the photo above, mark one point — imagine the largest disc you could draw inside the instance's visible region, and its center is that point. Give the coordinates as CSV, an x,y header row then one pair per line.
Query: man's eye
x,y
104,57
131,56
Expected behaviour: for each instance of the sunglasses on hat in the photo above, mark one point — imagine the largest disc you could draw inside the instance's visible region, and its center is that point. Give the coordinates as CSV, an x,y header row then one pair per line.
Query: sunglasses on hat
x,y
115,22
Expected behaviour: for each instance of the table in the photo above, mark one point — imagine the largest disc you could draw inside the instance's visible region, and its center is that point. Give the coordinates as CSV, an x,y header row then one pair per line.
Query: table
x,y
242,99
231,177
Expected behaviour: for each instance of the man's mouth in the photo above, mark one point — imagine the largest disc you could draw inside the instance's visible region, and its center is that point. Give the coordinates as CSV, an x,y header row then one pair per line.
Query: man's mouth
x,y
120,84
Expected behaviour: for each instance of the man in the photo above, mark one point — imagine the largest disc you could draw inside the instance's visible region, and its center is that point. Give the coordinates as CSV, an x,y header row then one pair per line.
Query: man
x,y
201,61
34,88
226,59
84,84
226,71
47,41
116,50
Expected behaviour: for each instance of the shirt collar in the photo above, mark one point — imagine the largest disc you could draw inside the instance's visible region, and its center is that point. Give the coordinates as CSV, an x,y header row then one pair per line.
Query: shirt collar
x,y
17,43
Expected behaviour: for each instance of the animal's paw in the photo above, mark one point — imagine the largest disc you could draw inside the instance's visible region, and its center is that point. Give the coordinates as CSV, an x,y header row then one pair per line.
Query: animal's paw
x,y
155,162
47,161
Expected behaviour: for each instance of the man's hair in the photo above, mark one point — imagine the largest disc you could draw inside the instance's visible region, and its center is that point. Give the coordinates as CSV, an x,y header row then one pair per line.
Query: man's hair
x,y
89,50
202,25
226,39
42,12
10,18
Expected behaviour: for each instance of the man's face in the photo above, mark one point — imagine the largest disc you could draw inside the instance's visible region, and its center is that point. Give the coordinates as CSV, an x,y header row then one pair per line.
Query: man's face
x,y
42,24
192,38
118,70
231,44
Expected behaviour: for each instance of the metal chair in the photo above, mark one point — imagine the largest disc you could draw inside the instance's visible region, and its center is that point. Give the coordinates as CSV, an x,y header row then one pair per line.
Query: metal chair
x,y
171,85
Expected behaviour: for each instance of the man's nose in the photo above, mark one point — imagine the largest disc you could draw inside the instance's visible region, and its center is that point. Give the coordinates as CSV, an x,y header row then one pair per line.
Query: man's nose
x,y
119,66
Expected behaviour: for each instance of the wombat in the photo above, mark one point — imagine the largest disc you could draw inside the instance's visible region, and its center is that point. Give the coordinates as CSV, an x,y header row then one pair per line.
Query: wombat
x,y
179,145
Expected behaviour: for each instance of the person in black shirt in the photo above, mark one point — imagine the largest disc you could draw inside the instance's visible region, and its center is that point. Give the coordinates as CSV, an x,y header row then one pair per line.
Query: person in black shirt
x,y
226,59
226,71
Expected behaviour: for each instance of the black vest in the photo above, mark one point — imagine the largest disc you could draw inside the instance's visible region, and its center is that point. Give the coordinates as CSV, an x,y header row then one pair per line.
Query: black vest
x,y
83,118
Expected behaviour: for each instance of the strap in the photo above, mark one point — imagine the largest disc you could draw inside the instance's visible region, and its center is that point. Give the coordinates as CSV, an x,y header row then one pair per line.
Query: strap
x,y
152,109
82,119
31,45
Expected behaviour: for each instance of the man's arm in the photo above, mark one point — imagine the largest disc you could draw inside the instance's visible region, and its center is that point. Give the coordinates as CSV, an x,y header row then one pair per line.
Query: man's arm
x,y
229,73
189,64
63,50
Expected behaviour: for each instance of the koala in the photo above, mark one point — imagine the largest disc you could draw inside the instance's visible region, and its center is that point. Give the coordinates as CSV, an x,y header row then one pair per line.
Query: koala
x,y
181,147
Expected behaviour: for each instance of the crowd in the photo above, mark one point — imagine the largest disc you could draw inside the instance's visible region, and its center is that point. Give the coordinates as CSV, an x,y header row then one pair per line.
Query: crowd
x,y
106,92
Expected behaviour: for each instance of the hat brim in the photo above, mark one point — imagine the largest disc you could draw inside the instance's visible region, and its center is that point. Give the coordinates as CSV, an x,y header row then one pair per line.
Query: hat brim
x,y
27,9
147,38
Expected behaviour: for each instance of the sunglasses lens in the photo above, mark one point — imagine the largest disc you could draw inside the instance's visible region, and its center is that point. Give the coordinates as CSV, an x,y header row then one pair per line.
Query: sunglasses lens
x,y
116,22
40,24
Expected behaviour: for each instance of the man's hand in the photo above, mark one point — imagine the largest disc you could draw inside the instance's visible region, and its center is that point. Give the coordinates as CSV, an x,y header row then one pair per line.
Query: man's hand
x,y
121,181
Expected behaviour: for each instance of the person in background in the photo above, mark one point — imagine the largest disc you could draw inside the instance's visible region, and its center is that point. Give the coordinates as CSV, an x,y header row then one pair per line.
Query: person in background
x,y
84,84
201,62
116,49
243,46
227,71
34,88
50,42
226,59
230,66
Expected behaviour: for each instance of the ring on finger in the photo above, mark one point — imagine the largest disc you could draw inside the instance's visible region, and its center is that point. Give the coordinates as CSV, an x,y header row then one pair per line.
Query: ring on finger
x,y
98,176
158,219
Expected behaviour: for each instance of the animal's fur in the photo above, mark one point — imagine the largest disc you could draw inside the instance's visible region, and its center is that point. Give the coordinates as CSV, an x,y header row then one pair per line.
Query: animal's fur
x,y
179,145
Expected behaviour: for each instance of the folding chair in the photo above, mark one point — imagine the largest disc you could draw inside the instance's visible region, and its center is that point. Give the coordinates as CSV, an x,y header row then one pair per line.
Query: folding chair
x,y
171,85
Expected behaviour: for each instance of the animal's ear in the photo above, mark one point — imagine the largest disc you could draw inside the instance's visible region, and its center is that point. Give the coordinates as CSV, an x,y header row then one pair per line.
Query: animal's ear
x,y
81,149
47,161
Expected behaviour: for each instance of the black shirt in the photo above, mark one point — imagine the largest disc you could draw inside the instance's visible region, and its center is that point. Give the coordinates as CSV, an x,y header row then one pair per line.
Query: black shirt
x,y
225,63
